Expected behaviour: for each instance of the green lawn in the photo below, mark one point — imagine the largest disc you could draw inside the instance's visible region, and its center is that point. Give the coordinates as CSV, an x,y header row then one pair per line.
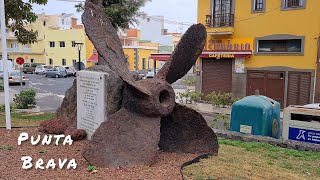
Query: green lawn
x,y
25,120
240,160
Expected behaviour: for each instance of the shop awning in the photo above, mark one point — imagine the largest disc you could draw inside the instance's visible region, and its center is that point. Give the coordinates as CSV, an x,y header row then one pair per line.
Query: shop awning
x,y
207,54
226,54
94,57
160,56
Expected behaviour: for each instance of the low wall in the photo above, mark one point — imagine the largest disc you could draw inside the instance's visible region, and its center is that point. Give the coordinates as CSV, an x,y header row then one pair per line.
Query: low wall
x,y
301,146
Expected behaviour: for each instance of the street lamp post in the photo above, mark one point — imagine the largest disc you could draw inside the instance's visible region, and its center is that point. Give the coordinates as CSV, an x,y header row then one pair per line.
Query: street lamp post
x,y
79,46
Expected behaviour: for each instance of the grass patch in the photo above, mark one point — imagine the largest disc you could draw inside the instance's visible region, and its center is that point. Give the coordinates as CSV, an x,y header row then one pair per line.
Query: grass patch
x,y
253,160
25,119
5,147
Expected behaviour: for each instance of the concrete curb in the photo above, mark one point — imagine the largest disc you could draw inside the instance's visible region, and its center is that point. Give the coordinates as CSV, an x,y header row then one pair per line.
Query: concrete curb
x,y
297,145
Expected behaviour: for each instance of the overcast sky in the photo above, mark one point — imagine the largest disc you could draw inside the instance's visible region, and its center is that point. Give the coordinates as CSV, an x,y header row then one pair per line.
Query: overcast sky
x,y
174,10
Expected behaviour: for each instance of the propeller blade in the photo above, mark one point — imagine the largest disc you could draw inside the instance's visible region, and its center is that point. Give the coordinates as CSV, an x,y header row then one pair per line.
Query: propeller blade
x,y
185,54
186,131
126,139
105,39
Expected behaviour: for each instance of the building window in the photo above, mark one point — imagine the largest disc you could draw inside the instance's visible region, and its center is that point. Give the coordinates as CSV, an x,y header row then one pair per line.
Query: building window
x,y
14,45
44,23
293,4
143,63
62,21
64,62
73,44
62,44
258,5
52,44
283,44
32,61
50,61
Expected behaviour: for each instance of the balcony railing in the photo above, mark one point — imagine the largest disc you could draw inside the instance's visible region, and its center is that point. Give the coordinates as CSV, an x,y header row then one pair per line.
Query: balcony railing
x,y
13,49
27,50
220,20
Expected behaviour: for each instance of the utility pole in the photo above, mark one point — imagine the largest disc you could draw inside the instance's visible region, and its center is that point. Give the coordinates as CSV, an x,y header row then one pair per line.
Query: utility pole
x,y
5,65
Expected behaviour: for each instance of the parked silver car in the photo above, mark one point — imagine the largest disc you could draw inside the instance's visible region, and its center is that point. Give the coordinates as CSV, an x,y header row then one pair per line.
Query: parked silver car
x,y
56,72
15,78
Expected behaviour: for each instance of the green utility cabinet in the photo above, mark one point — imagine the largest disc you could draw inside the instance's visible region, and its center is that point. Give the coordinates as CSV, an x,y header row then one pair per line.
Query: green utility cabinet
x,y
257,115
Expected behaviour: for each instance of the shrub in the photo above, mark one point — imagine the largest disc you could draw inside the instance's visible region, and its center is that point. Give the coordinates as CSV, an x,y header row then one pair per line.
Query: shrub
x,y
1,86
190,96
190,81
221,99
2,108
25,99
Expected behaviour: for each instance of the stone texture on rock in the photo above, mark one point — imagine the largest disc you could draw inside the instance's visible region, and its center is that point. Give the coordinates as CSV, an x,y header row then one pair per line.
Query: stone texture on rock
x,y
76,134
53,126
186,131
67,112
127,139
114,89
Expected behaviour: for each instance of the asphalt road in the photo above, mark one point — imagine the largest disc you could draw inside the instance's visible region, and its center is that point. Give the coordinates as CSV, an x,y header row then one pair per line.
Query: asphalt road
x,y
50,91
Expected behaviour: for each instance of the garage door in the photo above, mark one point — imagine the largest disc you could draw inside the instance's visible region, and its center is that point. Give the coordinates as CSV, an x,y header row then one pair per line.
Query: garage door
x,y
299,88
269,83
216,75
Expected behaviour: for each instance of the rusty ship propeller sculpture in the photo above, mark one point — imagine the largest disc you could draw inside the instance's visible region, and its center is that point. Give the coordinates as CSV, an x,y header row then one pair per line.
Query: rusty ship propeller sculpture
x,y
149,118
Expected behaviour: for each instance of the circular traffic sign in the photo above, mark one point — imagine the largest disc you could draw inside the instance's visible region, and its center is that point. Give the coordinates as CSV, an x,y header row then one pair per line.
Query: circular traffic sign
x,y
20,60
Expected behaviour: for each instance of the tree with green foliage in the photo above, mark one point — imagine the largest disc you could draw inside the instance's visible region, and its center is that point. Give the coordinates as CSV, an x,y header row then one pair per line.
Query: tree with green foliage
x,y
19,13
122,13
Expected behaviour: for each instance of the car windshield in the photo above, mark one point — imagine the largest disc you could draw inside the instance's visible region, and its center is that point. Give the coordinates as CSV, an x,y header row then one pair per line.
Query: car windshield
x,y
26,65
15,73
38,67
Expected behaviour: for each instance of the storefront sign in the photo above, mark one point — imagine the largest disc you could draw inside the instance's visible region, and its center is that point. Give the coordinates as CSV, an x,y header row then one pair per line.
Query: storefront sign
x,y
218,56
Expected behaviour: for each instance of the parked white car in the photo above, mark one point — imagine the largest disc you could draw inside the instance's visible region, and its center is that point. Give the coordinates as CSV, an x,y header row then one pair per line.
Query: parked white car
x,y
71,71
41,69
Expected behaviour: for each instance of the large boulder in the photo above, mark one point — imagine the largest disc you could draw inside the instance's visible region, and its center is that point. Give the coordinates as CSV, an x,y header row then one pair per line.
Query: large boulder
x,y
76,134
53,126
67,112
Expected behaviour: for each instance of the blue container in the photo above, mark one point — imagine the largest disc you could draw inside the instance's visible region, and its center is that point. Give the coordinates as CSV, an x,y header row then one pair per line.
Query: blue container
x,y
257,115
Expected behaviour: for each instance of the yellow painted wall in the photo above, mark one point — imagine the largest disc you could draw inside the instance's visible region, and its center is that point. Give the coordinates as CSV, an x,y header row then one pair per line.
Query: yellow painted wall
x,y
129,52
89,51
68,52
302,22
32,51
143,53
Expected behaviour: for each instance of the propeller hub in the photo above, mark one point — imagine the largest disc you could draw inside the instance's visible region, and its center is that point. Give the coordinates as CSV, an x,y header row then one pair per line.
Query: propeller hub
x,y
159,102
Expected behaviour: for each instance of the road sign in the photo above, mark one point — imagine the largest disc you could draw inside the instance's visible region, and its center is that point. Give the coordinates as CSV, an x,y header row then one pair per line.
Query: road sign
x,y
20,60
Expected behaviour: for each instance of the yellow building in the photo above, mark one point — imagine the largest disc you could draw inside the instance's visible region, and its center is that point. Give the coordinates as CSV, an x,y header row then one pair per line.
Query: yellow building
x,y
32,53
55,43
61,49
137,53
270,46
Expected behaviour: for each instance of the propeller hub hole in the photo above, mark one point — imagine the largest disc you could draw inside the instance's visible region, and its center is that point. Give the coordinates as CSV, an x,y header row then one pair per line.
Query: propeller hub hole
x,y
164,97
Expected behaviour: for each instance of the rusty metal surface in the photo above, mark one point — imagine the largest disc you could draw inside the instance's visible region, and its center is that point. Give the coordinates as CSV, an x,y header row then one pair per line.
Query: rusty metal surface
x,y
135,128
185,54
105,39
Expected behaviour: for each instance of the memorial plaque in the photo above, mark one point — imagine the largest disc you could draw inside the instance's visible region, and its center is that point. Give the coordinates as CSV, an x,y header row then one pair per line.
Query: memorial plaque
x,y
91,111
